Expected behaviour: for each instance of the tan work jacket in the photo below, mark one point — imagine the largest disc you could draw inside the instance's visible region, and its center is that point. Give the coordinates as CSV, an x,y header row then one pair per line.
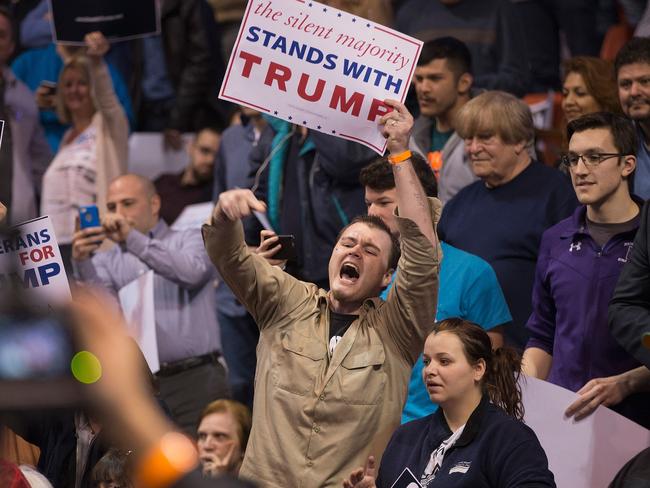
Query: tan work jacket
x,y
315,417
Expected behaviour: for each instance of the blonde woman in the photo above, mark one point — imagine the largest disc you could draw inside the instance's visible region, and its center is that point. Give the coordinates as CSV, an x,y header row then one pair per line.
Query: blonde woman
x,y
94,150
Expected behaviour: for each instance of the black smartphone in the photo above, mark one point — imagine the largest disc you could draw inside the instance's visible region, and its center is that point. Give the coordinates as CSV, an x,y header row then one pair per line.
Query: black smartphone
x,y
89,216
288,249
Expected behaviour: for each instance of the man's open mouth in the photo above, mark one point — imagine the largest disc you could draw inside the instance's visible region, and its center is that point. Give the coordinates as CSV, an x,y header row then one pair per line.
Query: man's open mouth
x,y
349,272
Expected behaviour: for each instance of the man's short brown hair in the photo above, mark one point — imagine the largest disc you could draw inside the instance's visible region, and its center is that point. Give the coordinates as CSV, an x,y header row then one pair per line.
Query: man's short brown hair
x,y
375,222
378,175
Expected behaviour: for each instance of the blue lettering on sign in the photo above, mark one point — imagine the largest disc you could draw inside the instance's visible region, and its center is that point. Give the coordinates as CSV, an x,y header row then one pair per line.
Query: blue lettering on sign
x,y
33,277
25,241
295,49
365,73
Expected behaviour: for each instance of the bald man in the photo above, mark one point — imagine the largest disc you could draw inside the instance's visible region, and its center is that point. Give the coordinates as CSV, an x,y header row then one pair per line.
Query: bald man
x,y
191,372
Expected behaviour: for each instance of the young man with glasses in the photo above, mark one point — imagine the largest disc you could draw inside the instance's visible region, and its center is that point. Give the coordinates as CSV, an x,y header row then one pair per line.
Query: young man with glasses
x,y
580,259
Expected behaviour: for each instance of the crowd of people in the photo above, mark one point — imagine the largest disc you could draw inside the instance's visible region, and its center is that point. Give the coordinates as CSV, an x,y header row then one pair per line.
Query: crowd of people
x,y
388,348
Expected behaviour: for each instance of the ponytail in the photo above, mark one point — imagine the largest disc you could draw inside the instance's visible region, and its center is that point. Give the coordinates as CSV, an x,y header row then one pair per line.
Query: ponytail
x,y
502,367
502,381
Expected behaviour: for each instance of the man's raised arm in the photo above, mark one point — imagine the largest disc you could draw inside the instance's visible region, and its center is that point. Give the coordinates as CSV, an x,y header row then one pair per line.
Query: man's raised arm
x,y
266,291
234,205
412,301
411,199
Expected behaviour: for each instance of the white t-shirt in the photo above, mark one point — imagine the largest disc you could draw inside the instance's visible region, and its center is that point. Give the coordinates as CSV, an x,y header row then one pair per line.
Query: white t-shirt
x,y
437,456
69,182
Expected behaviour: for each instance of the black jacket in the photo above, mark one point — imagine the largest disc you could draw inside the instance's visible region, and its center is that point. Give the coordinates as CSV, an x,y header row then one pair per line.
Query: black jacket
x,y
629,309
193,59
55,436
494,450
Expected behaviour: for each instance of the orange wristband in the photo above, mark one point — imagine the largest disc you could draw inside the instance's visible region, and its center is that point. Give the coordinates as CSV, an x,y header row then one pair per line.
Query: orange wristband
x,y
400,158
173,456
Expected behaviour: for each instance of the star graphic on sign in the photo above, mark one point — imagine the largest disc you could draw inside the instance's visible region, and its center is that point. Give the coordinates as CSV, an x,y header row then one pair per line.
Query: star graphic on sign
x,y
290,117
367,25
324,10
275,113
339,14
304,122
319,127
354,20
333,132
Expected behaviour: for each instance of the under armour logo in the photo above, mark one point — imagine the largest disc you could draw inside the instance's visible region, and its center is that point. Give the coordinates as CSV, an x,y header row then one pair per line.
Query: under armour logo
x,y
575,246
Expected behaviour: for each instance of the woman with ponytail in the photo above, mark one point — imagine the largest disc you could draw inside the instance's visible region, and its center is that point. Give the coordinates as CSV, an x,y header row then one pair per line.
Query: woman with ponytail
x,y
476,438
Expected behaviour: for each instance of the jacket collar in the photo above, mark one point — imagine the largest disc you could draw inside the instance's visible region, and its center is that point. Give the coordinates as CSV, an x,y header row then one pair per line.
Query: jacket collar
x,y
578,222
368,303
474,422
472,427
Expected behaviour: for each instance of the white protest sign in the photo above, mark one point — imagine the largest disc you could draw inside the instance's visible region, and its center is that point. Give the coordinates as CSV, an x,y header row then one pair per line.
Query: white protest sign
x,y
136,300
583,454
29,255
319,67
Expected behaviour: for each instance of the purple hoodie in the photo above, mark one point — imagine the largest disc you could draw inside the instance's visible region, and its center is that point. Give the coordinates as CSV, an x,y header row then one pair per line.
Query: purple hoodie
x,y
574,282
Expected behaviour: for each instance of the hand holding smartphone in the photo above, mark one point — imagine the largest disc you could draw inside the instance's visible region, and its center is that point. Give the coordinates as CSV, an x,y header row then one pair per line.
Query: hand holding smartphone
x,y
276,249
90,235
48,87
45,95
288,249
89,216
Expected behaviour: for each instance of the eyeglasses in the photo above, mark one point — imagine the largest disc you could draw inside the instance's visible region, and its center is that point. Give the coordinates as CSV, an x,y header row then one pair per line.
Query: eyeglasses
x,y
591,159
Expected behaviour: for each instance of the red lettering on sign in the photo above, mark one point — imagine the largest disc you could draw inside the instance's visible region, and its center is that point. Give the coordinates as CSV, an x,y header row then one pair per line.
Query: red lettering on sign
x,y
378,109
354,102
278,73
249,61
302,89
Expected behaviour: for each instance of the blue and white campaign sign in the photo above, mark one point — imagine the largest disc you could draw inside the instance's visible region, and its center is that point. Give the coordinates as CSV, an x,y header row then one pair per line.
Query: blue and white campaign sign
x,y
319,67
29,256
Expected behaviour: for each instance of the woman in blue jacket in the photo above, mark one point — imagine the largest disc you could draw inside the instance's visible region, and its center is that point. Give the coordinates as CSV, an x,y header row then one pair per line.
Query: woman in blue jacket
x,y
476,439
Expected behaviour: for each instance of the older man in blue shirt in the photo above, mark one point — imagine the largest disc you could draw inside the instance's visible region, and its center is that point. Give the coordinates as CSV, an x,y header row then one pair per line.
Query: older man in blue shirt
x,y
191,374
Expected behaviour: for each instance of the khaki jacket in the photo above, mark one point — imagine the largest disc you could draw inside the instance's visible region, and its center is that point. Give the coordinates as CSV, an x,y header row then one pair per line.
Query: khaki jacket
x,y
316,418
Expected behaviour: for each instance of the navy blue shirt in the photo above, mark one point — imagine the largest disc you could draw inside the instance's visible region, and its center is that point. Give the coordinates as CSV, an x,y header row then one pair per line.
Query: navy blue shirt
x,y
494,450
504,226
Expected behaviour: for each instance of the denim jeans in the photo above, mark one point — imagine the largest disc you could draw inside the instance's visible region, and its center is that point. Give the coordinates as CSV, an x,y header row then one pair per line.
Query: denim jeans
x,y
239,336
